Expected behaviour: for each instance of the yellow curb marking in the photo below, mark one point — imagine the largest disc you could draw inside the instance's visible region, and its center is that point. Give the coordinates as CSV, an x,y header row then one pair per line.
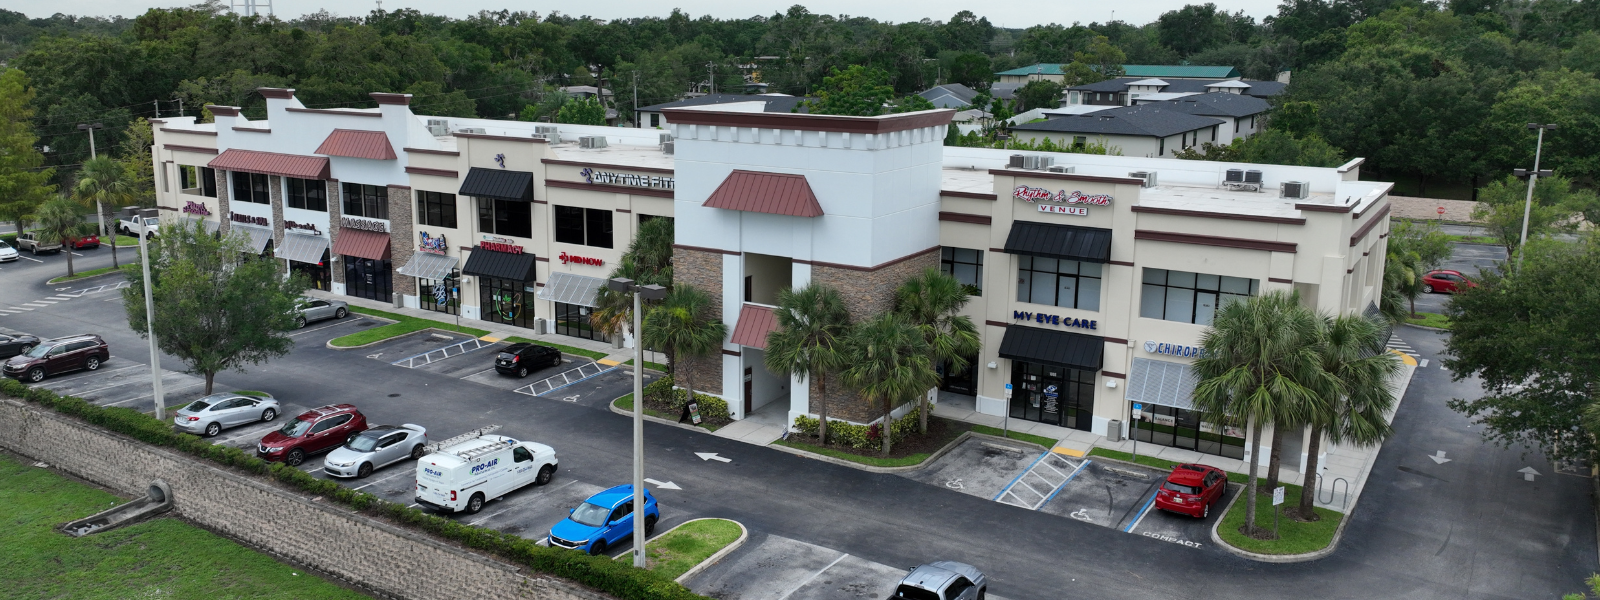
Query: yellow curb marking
x,y
489,339
608,362
1406,358
1067,451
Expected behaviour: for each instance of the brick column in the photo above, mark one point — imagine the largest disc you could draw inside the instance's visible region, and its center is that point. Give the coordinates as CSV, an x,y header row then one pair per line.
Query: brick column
x,y
335,212
702,270
401,241
275,184
222,201
866,293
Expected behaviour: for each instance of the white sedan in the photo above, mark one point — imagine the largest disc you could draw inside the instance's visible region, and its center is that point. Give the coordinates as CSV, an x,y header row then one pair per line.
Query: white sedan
x,y
7,253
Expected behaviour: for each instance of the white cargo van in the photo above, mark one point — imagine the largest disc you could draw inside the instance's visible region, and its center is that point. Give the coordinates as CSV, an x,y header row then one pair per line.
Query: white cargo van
x,y
463,476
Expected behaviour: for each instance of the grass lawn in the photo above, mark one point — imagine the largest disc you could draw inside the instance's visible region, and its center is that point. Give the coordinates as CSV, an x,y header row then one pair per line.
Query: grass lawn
x,y
250,393
874,461
122,241
649,365
1294,537
1471,239
626,403
1026,437
679,550
162,558
590,354
402,325
83,274
1428,319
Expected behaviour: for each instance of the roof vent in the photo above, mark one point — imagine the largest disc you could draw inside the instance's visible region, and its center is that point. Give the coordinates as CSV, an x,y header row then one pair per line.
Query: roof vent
x,y
1061,169
1149,177
470,130
438,127
592,141
1295,189
1234,176
667,147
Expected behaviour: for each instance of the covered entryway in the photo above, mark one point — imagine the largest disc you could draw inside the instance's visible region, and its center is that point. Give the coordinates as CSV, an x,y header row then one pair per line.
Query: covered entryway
x,y
574,297
1053,375
1166,391
505,285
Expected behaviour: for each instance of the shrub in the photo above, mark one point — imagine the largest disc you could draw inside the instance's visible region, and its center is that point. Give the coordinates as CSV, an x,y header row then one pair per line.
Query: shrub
x,y
806,425
859,436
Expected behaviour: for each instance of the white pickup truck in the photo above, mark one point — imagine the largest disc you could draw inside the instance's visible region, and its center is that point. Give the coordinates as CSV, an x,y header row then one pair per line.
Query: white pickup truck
x,y
143,226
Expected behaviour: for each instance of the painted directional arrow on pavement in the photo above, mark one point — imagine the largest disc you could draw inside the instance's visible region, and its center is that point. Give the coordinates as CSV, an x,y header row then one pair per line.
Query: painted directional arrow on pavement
x,y
665,485
1527,473
712,456
1438,458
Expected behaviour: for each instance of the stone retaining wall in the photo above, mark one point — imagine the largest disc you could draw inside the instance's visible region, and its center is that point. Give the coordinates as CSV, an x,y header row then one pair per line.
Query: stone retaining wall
x,y
381,558
1406,207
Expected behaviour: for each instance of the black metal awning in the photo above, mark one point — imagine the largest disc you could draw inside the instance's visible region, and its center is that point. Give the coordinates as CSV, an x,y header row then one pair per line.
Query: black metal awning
x,y
500,265
1060,348
1090,244
494,183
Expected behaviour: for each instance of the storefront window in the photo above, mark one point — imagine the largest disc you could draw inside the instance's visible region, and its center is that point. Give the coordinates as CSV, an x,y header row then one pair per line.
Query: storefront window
x,y
441,295
436,209
370,201
966,265
583,226
250,187
505,217
573,320
1190,297
308,194
506,301
1058,282
1180,428
320,275
1052,395
368,278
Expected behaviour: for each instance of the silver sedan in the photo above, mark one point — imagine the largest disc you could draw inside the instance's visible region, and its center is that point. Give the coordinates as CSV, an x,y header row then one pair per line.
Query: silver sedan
x,y
208,416
316,309
376,448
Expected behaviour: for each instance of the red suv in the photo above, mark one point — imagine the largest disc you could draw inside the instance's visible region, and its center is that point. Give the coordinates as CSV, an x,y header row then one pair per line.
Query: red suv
x,y
314,431
1445,281
1192,489
60,355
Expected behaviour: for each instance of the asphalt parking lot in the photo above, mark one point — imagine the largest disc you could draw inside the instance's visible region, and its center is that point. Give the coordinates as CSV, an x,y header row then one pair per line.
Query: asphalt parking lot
x,y
773,566
978,467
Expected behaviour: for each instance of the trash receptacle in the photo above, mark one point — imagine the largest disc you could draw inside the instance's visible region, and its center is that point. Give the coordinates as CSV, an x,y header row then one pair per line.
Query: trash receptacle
x,y
1114,430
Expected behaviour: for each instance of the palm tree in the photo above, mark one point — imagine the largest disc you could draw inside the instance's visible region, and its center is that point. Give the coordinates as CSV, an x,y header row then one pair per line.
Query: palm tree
x,y
684,327
889,363
1350,350
648,261
62,219
931,300
103,182
810,340
1257,355
1403,272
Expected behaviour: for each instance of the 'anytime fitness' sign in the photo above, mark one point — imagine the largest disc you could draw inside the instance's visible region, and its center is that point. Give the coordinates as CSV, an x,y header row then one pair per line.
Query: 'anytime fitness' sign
x,y
645,181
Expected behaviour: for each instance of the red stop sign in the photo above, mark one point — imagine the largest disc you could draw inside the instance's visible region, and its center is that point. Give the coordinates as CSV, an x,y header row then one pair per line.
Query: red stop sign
x,y
1441,210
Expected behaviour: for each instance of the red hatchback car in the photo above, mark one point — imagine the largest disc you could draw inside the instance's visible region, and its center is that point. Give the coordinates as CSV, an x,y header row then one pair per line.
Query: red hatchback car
x,y
314,431
1445,281
88,241
1192,489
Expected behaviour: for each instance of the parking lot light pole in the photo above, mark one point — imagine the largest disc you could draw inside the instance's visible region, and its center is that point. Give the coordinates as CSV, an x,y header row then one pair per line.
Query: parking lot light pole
x,y
640,293
150,317
1533,178
99,211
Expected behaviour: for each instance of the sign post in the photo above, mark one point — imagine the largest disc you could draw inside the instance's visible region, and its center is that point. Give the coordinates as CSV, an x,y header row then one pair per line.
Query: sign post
x,y
1277,499
1005,422
1133,429
1441,214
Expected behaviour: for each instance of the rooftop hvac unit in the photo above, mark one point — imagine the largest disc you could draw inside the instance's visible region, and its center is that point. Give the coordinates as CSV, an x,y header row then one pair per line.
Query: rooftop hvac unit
x,y
470,130
546,129
667,147
1015,162
553,138
1061,169
1045,162
1030,162
1235,176
1252,176
666,137
1295,189
592,141
1149,177
438,127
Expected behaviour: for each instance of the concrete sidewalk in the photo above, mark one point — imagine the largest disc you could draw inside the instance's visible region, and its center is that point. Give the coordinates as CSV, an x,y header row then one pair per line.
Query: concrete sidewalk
x,y
499,331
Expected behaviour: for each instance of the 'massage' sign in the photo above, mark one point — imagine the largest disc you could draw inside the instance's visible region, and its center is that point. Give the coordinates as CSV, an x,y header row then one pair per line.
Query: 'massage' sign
x,y
363,224
1033,194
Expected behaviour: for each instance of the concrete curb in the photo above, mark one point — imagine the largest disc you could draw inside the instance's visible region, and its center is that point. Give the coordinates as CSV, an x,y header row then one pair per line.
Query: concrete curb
x,y
1425,327
744,534
907,468
61,279
330,345
628,413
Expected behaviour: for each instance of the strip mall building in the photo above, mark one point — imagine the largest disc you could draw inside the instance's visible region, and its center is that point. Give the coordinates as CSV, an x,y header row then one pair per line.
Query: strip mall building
x,y
1092,276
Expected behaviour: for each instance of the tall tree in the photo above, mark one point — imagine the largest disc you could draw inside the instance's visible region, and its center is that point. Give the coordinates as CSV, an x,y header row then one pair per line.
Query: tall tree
x,y
23,185
1356,396
1258,355
889,364
105,183
61,220
857,91
1502,203
582,111
810,340
217,305
1038,94
932,302
683,326
648,261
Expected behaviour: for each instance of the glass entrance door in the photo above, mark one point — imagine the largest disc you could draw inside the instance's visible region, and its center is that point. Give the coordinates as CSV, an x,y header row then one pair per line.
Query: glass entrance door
x,y
1179,428
368,278
963,382
573,320
1053,395
505,301
441,295
320,275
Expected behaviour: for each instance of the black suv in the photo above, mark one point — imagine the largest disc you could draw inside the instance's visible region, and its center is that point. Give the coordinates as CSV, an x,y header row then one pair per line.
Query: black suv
x,y
59,355
521,359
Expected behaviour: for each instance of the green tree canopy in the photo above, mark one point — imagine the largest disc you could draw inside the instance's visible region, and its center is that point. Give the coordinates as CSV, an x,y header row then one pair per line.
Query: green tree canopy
x,y
23,184
582,111
1556,206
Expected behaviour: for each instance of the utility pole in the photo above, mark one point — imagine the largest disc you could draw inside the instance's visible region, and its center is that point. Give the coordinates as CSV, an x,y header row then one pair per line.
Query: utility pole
x,y
640,293
635,108
157,102
99,208
711,76
1533,178
180,107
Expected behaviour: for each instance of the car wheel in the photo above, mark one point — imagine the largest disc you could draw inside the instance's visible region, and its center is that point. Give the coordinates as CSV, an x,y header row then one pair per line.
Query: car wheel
x,y
269,414
299,322
650,525
556,362
364,470
35,250
597,548
340,314
983,593
92,364
295,457
213,429
417,451
522,372
545,474
1427,289
474,504
36,375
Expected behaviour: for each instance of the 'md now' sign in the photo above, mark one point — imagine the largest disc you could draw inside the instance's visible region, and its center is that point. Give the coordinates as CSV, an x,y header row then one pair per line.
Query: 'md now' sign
x,y
1045,319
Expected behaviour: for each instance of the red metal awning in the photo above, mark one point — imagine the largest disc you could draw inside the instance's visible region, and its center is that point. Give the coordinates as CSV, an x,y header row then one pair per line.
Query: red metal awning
x,y
355,143
755,322
772,193
272,163
361,243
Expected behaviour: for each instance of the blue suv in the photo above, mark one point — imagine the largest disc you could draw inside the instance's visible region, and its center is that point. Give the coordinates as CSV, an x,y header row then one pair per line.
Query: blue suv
x,y
604,520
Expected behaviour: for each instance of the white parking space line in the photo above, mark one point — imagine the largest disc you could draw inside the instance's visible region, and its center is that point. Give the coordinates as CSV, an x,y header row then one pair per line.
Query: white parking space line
x,y
376,482
1424,364
59,298
19,308
37,304
247,432
491,516
808,579
305,331
10,312
32,259
76,254
151,394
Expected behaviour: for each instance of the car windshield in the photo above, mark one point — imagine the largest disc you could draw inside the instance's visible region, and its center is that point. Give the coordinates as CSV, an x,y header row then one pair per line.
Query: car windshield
x,y
294,428
591,515
197,406
37,351
152,221
914,593
1182,489
362,443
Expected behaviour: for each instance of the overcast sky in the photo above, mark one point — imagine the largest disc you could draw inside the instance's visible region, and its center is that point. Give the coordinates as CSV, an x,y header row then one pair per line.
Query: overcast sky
x,y
1006,13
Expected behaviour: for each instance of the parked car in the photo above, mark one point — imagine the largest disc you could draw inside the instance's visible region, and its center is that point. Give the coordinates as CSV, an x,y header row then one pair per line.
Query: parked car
x,y
1445,280
522,358
12,345
7,253
1191,490
604,520
60,355
89,241
209,415
30,241
376,448
943,580
314,431
314,309
466,475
